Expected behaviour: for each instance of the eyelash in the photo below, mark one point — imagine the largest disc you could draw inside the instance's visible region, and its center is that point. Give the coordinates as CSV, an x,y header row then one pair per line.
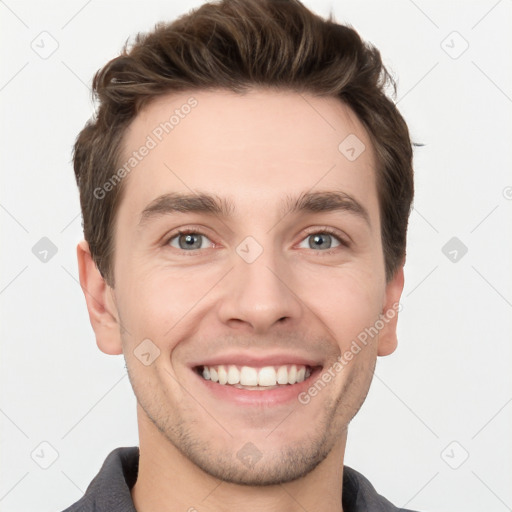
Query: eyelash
x,y
322,230
327,231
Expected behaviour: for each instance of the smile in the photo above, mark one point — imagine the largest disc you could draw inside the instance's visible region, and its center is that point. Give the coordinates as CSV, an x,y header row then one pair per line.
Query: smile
x,y
255,378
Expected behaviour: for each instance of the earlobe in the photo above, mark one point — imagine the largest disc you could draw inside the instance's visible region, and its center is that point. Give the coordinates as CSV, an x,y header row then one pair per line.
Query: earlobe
x,y
100,304
387,337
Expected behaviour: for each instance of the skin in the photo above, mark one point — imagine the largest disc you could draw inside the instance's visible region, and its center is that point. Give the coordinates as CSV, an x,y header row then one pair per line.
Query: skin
x,y
253,149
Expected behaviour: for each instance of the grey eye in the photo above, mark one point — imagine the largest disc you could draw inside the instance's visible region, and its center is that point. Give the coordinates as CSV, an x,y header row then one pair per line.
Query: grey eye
x,y
189,241
321,241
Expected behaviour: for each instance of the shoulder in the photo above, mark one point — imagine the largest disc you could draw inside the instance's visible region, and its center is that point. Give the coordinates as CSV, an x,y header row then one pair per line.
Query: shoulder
x,y
110,488
359,495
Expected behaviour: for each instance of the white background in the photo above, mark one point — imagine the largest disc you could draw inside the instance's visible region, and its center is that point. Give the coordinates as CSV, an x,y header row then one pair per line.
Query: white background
x,y
450,378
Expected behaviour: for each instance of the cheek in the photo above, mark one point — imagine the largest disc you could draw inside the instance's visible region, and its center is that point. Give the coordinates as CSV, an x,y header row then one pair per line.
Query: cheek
x,y
345,301
159,302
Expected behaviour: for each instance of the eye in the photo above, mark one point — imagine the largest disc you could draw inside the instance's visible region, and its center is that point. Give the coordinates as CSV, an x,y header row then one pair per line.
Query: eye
x,y
189,241
321,240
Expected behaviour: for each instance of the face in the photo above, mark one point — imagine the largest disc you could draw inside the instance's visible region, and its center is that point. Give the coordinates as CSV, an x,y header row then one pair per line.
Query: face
x,y
248,259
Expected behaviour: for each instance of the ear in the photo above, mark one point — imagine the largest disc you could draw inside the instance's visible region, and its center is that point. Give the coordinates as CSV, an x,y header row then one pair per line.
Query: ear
x,y
99,297
387,336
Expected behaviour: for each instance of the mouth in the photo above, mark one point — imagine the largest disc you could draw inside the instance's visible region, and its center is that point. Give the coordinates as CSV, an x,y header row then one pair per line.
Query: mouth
x,y
253,378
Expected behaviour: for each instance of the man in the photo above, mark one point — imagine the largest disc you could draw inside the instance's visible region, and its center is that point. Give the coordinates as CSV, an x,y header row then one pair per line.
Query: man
x,y
245,189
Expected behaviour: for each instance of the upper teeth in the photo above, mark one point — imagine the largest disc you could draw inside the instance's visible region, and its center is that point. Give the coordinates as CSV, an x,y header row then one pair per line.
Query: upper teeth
x,y
249,376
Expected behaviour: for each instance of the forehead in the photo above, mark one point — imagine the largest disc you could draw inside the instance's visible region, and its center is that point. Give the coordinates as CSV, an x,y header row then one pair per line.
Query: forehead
x,y
252,148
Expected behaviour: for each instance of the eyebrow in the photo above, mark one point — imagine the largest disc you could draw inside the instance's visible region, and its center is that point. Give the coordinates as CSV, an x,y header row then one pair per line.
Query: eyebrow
x,y
186,203
314,202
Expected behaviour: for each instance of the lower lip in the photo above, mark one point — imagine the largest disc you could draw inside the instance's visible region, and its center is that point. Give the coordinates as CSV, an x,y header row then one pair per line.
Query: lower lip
x,y
275,396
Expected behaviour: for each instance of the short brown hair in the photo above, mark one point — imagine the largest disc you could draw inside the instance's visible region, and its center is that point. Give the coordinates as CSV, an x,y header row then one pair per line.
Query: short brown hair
x,y
237,45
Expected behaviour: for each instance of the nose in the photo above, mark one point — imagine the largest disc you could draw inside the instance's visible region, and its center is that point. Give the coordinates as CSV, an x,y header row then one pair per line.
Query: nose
x,y
260,294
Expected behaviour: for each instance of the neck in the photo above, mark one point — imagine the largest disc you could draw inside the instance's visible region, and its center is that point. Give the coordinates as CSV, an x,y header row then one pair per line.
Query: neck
x,y
167,481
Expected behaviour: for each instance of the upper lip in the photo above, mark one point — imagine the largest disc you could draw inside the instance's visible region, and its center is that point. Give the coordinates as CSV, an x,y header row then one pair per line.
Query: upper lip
x,y
256,360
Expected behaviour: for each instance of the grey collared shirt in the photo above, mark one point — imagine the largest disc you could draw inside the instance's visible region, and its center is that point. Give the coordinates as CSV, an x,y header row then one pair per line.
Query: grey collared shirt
x,y
110,489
